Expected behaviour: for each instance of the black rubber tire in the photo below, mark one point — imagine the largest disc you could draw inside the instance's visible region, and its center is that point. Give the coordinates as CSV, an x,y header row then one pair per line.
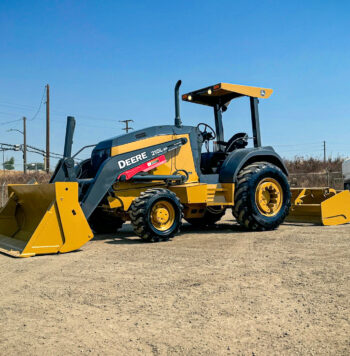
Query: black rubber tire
x,y
140,212
209,218
101,222
245,209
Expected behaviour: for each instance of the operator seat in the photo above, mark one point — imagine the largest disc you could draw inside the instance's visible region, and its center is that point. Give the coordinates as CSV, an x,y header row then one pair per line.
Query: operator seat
x,y
211,162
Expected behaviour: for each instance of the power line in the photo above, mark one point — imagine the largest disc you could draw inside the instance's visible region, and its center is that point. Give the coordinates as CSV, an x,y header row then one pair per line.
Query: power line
x,y
9,113
62,122
44,152
23,106
301,151
18,106
299,144
9,122
41,102
31,149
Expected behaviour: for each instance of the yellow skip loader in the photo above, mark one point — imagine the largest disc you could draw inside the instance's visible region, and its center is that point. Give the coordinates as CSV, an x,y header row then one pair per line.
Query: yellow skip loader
x,y
160,175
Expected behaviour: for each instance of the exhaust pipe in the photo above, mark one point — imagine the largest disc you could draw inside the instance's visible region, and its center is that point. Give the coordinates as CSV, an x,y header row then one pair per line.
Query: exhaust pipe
x,y
178,122
68,142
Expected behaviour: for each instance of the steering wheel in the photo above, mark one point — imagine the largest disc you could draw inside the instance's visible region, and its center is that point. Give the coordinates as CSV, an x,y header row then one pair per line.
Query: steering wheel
x,y
207,135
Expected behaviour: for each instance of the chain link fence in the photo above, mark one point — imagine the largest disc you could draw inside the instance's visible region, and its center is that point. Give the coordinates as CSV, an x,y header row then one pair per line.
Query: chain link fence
x,y
307,180
3,194
320,179
16,177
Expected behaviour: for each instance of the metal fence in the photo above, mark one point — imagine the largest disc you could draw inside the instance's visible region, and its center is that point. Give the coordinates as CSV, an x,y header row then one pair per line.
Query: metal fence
x,y
3,189
320,179
324,179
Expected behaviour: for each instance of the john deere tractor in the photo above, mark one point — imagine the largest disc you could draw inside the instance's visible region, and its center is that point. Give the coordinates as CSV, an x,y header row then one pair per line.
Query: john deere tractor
x,y
153,177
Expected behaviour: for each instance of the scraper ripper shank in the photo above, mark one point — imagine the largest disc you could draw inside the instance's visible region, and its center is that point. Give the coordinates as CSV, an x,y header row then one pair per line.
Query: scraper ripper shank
x,y
121,168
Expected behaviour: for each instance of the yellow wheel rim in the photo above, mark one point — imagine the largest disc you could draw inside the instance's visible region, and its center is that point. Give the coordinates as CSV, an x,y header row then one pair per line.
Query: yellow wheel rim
x,y
269,197
162,215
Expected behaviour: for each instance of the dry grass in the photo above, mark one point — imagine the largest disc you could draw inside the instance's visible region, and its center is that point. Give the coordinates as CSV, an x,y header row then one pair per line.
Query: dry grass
x,y
313,172
17,177
14,177
313,165
304,172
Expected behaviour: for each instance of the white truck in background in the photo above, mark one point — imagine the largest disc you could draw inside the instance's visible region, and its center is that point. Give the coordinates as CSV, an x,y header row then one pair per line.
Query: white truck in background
x,y
346,173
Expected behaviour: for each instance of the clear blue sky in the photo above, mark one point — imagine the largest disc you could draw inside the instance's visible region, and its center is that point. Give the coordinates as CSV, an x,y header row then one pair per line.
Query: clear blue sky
x,y
112,60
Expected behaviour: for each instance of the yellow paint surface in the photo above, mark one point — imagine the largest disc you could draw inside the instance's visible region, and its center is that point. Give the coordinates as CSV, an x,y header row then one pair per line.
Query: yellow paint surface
x,y
42,219
180,158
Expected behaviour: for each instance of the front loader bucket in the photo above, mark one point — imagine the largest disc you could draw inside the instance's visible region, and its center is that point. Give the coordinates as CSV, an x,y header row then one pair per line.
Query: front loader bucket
x,y
323,206
41,219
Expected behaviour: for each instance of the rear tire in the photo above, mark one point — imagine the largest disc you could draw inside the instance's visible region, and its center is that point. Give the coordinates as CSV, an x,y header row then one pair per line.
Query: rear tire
x,y
211,216
156,215
262,197
102,222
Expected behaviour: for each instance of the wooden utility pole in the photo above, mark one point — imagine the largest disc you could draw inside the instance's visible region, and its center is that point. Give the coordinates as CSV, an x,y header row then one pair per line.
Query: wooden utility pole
x,y
324,152
47,128
24,145
127,127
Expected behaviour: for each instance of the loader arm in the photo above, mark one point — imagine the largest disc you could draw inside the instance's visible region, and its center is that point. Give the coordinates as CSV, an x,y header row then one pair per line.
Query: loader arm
x,y
110,170
115,166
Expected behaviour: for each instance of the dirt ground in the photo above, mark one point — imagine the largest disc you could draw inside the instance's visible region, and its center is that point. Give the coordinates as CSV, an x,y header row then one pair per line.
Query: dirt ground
x,y
221,291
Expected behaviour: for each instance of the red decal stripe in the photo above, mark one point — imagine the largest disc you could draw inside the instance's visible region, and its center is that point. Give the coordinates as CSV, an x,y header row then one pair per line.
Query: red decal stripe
x,y
144,167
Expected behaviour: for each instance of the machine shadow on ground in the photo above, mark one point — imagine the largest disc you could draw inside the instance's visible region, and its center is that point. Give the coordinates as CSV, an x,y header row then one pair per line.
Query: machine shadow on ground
x,y
127,236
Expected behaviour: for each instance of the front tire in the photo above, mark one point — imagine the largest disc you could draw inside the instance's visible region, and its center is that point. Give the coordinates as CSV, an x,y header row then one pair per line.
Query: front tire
x,y
262,197
156,215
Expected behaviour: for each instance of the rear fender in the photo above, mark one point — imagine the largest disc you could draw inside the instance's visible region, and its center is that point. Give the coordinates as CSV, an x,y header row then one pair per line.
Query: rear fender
x,y
245,156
